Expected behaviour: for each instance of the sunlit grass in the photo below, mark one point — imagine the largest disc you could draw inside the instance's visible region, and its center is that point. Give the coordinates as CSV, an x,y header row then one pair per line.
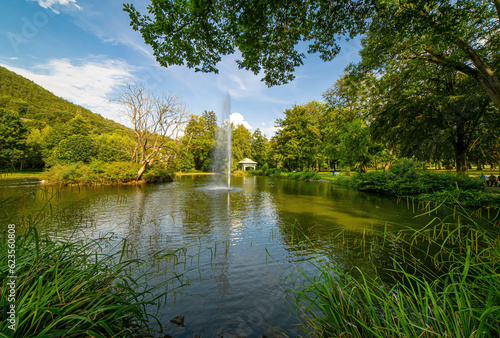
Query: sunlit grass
x,y
21,174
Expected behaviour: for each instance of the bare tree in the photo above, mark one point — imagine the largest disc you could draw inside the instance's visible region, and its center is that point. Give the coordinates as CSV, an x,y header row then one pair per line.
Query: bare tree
x,y
157,123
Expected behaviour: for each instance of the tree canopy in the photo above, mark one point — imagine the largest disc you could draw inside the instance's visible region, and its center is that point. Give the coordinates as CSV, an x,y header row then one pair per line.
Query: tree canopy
x,y
268,34
462,35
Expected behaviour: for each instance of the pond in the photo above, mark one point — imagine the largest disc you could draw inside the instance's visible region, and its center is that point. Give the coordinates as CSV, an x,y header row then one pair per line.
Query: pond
x,y
242,245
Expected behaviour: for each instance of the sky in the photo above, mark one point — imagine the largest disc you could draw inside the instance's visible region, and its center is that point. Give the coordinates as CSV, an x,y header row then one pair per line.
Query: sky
x,y
85,51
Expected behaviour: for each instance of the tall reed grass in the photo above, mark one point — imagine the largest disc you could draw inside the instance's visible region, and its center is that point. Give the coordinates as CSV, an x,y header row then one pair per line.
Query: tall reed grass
x,y
444,282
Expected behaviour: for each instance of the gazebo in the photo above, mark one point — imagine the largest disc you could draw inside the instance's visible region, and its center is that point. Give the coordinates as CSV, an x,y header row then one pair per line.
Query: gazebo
x,y
247,163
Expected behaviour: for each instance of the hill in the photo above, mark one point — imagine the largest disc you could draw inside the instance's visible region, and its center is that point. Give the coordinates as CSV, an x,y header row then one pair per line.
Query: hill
x,y
40,106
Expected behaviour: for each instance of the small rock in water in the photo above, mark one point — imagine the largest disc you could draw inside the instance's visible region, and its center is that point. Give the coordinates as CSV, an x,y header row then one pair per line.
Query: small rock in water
x,y
179,320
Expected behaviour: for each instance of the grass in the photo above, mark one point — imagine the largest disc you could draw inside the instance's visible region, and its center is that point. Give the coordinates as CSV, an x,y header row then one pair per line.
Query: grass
x,y
27,173
193,172
444,282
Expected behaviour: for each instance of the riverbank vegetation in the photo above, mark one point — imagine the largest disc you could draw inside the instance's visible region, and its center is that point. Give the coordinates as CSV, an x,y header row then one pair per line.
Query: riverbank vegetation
x,y
404,179
444,282
98,172
64,283
78,287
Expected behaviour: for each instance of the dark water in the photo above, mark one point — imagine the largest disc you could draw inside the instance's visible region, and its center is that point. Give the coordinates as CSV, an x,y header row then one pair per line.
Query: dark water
x,y
242,245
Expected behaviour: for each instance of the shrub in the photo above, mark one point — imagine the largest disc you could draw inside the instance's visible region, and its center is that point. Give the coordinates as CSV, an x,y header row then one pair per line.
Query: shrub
x,y
309,175
76,148
97,172
158,173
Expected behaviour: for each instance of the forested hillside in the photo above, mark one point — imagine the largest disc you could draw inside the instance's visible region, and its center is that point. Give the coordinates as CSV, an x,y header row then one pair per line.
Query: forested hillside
x,y
33,102
39,129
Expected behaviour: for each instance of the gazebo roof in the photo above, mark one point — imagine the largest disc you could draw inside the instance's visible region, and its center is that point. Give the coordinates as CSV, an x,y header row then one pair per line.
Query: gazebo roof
x,y
247,161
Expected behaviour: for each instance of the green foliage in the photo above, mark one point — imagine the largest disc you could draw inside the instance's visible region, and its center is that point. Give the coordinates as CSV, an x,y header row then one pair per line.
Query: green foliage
x,y
115,146
402,179
198,33
260,149
199,140
13,134
158,173
354,144
33,102
241,144
99,172
441,33
306,175
299,139
76,148
96,172
79,126
77,287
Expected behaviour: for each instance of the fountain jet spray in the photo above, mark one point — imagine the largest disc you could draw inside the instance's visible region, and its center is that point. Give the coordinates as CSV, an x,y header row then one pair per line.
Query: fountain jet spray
x,y
227,112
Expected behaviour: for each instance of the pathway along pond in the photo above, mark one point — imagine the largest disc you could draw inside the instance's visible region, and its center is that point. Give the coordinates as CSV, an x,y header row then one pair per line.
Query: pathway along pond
x,y
241,245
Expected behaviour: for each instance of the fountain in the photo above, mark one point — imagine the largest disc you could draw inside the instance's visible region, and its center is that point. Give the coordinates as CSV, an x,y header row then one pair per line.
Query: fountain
x,y
226,112
222,155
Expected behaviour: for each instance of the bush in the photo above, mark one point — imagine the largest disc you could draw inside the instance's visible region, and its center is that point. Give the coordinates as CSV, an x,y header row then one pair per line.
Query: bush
x,y
97,172
404,180
158,173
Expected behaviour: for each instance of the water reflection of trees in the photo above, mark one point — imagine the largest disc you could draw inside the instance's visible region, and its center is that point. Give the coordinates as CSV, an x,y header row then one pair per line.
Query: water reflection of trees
x,y
348,228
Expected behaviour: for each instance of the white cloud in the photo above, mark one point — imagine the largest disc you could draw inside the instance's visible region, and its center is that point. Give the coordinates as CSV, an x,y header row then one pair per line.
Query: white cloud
x,y
88,83
54,4
112,29
238,119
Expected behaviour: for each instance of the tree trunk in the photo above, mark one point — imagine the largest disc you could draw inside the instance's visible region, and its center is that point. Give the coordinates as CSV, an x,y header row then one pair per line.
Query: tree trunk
x,y
142,170
461,159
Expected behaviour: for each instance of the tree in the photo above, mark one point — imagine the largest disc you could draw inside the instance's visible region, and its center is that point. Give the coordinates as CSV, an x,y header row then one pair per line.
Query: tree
x,y
428,112
13,134
461,36
241,143
115,146
266,33
260,148
199,138
351,97
355,144
79,126
156,122
76,148
299,139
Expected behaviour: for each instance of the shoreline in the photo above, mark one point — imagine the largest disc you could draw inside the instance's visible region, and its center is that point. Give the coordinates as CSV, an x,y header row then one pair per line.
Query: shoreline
x,y
44,182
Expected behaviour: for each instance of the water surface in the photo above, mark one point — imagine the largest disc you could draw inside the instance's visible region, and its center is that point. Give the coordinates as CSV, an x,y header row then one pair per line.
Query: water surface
x,y
242,244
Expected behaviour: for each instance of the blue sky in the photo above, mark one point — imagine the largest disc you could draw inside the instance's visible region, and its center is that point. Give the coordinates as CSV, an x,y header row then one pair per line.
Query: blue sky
x,y
85,50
